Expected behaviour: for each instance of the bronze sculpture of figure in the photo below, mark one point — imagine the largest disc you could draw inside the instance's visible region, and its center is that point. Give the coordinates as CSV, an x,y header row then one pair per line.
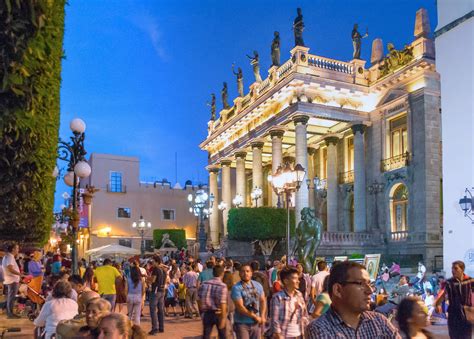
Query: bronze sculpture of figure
x,y
224,96
240,80
254,61
357,41
213,106
275,50
308,238
298,27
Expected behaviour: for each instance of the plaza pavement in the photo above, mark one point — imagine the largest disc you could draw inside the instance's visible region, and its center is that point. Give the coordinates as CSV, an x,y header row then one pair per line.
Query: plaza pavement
x,y
175,327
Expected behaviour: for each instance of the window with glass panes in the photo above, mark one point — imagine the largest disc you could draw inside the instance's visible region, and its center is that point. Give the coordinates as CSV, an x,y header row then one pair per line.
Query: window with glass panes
x,y
398,136
115,182
167,214
400,208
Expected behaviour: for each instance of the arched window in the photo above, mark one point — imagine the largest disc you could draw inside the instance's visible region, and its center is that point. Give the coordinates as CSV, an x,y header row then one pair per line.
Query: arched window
x,y
399,208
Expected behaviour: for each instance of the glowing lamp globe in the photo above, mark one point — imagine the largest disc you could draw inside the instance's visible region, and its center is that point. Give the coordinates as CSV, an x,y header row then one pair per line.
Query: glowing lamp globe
x,y
77,126
69,178
82,169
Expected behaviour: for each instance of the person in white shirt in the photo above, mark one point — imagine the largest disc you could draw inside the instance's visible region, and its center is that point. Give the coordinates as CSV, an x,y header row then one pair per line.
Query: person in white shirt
x,y
11,277
317,281
61,307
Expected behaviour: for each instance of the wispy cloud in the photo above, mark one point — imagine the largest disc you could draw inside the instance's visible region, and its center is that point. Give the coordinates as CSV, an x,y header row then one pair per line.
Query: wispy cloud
x,y
148,24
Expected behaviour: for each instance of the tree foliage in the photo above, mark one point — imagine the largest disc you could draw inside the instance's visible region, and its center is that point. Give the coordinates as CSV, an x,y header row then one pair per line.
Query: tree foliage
x,y
262,223
31,40
178,237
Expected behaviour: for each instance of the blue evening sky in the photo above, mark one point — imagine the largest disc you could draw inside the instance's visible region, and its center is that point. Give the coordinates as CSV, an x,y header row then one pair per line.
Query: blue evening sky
x,y
140,72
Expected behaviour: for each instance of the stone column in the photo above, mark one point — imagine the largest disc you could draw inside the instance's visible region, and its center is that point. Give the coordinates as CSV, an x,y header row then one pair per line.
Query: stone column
x,y
277,157
301,155
257,170
310,174
360,211
226,191
240,185
332,185
214,217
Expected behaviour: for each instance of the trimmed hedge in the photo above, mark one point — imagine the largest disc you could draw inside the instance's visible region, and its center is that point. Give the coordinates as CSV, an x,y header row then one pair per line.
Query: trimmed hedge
x,y
262,223
176,236
31,49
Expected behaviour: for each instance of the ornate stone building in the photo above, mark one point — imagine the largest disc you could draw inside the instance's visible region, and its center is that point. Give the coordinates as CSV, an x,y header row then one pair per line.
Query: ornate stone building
x,y
370,135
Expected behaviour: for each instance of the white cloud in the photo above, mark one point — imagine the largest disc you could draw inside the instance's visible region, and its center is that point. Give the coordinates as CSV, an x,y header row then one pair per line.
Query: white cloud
x,y
148,24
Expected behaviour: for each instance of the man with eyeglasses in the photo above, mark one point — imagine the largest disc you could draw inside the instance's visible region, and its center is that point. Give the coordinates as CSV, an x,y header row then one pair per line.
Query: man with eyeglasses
x,y
349,316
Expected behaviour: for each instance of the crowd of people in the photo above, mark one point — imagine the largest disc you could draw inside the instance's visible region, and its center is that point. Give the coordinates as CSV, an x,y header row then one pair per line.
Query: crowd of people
x,y
240,300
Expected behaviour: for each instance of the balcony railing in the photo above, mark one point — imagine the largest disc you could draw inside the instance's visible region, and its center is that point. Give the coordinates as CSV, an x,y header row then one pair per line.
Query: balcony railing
x,y
346,177
399,236
395,162
330,64
350,238
122,189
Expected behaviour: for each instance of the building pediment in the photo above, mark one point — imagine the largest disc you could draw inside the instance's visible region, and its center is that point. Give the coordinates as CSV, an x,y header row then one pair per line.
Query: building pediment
x,y
391,96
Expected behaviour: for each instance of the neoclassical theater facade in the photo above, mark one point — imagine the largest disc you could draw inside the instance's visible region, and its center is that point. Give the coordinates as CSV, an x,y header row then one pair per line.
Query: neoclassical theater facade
x,y
369,135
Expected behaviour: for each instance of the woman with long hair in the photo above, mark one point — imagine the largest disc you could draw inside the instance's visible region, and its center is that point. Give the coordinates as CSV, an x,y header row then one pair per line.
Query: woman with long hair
x,y
89,279
136,290
118,326
120,288
412,319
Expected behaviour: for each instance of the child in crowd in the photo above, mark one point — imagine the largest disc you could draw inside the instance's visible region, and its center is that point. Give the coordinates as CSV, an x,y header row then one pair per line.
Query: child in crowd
x,y
429,302
171,298
182,295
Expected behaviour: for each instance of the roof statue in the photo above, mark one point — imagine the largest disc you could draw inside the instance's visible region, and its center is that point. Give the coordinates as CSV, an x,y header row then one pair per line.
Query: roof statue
x,y
254,61
298,27
395,59
224,96
213,106
357,41
240,80
275,49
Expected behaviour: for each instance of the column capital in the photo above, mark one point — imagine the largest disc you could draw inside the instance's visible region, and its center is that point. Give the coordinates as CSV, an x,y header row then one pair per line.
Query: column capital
x,y
331,140
240,154
226,162
311,150
212,169
257,144
303,119
358,128
277,132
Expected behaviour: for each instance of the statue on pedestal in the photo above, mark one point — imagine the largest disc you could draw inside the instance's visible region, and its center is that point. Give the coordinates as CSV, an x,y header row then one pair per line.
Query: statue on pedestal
x,y
240,80
224,96
213,106
254,61
357,41
298,27
308,238
275,50
166,241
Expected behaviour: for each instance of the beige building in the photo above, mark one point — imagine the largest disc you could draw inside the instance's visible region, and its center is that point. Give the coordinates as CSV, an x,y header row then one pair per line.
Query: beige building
x,y
370,133
123,198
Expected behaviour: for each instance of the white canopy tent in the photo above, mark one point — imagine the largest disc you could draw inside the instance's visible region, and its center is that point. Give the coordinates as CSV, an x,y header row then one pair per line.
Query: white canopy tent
x,y
113,250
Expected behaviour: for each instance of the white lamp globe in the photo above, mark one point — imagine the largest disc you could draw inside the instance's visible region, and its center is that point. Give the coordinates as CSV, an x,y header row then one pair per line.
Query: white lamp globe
x,y
55,172
77,125
82,169
69,178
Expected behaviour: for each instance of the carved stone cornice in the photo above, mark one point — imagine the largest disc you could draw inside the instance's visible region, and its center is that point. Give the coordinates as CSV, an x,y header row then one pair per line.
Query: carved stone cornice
x,y
358,128
257,144
277,133
300,119
226,162
240,154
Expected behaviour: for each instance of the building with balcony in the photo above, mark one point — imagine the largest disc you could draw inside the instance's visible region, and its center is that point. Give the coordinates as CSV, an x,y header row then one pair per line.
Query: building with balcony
x,y
122,198
370,134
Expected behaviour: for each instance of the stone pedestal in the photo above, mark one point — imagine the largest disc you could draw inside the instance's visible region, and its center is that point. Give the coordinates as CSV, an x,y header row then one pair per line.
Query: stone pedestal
x,y
359,71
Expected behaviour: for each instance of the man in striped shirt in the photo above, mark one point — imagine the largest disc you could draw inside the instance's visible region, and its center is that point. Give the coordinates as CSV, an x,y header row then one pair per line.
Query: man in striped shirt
x,y
349,315
190,281
212,301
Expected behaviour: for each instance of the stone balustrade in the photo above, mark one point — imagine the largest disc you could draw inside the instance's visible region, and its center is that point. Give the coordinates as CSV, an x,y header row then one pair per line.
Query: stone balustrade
x,y
330,64
399,236
350,238
395,162
284,69
346,177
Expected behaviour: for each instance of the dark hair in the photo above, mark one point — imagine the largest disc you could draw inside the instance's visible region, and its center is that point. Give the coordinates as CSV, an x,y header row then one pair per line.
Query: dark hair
x,y
339,273
135,275
322,265
255,265
157,260
89,275
76,279
11,246
245,265
287,271
62,289
217,270
460,264
209,264
404,313
237,265
107,261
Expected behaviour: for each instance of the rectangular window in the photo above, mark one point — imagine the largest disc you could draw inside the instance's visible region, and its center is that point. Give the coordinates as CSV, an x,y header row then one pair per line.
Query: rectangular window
x,y
350,154
125,242
398,136
167,214
115,183
124,212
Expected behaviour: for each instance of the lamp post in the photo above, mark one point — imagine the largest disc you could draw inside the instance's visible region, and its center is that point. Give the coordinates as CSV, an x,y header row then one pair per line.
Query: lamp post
x,y
374,189
467,205
287,181
238,200
256,194
201,206
73,153
142,226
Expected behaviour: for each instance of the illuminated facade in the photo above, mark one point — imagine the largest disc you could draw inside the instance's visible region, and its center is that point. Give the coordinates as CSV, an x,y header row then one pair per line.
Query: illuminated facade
x,y
371,135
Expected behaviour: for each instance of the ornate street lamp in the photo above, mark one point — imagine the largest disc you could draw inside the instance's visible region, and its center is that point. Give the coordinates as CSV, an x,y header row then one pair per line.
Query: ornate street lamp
x,y
201,206
467,205
256,194
73,153
222,206
238,201
288,181
142,227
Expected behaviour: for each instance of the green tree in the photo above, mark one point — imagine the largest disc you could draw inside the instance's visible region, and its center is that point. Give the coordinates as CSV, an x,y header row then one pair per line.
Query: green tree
x,y
31,50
